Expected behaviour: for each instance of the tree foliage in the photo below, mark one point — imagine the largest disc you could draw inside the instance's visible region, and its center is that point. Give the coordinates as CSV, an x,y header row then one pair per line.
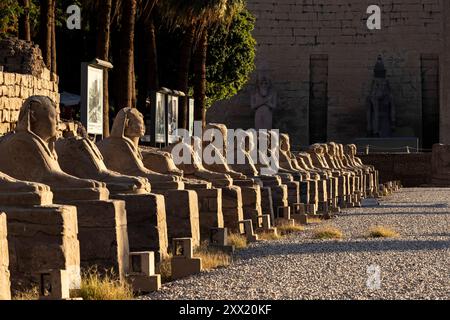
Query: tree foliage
x,y
231,55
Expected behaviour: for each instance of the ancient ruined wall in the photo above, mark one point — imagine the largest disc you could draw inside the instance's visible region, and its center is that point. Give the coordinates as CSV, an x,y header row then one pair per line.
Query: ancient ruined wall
x,y
23,75
295,36
414,170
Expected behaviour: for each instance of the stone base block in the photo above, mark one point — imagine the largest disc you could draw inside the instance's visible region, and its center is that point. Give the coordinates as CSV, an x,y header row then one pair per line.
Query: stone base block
x,y
103,235
146,223
323,207
284,222
232,208
42,238
144,283
300,218
185,267
182,214
267,203
211,214
311,209
39,198
5,285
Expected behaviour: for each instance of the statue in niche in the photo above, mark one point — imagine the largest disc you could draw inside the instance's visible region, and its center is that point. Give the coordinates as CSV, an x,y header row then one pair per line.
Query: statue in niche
x,y
380,105
263,102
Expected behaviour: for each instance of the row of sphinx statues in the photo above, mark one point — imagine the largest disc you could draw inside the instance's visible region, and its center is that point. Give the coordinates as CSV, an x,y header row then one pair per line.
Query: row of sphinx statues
x,y
70,202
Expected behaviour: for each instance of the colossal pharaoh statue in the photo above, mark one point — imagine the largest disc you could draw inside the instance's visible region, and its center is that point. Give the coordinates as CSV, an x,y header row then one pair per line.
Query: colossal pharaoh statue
x,y
263,102
380,104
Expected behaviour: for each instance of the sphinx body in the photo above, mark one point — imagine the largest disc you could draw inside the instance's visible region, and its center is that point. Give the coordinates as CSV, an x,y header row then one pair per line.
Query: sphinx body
x,y
121,153
31,154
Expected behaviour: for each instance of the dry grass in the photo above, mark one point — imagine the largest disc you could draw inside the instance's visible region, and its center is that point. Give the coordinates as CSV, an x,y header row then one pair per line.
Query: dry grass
x,y
238,241
30,294
289,229
314,220
382,232
269,236
328,232
165,269
103,287
212,258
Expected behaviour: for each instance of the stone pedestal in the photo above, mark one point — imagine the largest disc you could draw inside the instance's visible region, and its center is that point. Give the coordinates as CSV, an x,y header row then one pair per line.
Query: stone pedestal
x,y
43,238
182,221
267,203
210,211
146,223
5,291
232,208
102,232
251,202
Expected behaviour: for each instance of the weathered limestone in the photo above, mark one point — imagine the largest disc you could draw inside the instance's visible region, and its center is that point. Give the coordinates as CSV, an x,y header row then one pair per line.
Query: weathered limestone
x,y
121,154
5,291
142,272
196,178
251,191
263,102
441,165
43,238
41,235
183,262
32,157
279,191
372,179
146,214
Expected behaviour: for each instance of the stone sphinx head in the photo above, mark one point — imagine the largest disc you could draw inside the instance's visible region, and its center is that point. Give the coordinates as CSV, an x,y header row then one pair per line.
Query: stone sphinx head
x,y
331,149
40,117
316,148
285,144
350,150
128,123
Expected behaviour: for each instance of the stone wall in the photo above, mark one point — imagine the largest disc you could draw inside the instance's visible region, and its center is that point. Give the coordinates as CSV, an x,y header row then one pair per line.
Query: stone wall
x,y
23,75
413,170
291,34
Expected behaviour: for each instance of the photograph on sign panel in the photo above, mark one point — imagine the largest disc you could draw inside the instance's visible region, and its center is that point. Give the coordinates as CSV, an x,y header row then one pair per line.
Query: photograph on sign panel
x,y
95,100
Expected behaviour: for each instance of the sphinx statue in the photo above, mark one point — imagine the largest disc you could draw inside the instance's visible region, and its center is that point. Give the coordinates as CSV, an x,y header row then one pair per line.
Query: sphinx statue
x,y
121,153
371,180
32,156
13,191
80,157
146,215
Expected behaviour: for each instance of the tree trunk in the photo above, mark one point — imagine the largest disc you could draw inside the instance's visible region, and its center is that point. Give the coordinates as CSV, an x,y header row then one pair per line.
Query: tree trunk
x,y
152,56
147,74
183,73
46,31
127,54
103,40
24,21
200,79
53,26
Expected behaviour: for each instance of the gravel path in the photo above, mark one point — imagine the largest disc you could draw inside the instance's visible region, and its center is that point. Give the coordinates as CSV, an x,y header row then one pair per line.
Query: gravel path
x,y
414,266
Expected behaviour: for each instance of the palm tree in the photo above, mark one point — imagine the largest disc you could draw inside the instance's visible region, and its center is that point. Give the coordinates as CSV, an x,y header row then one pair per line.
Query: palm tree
x,y
126,65
103,44
46,16
196,17
24,21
